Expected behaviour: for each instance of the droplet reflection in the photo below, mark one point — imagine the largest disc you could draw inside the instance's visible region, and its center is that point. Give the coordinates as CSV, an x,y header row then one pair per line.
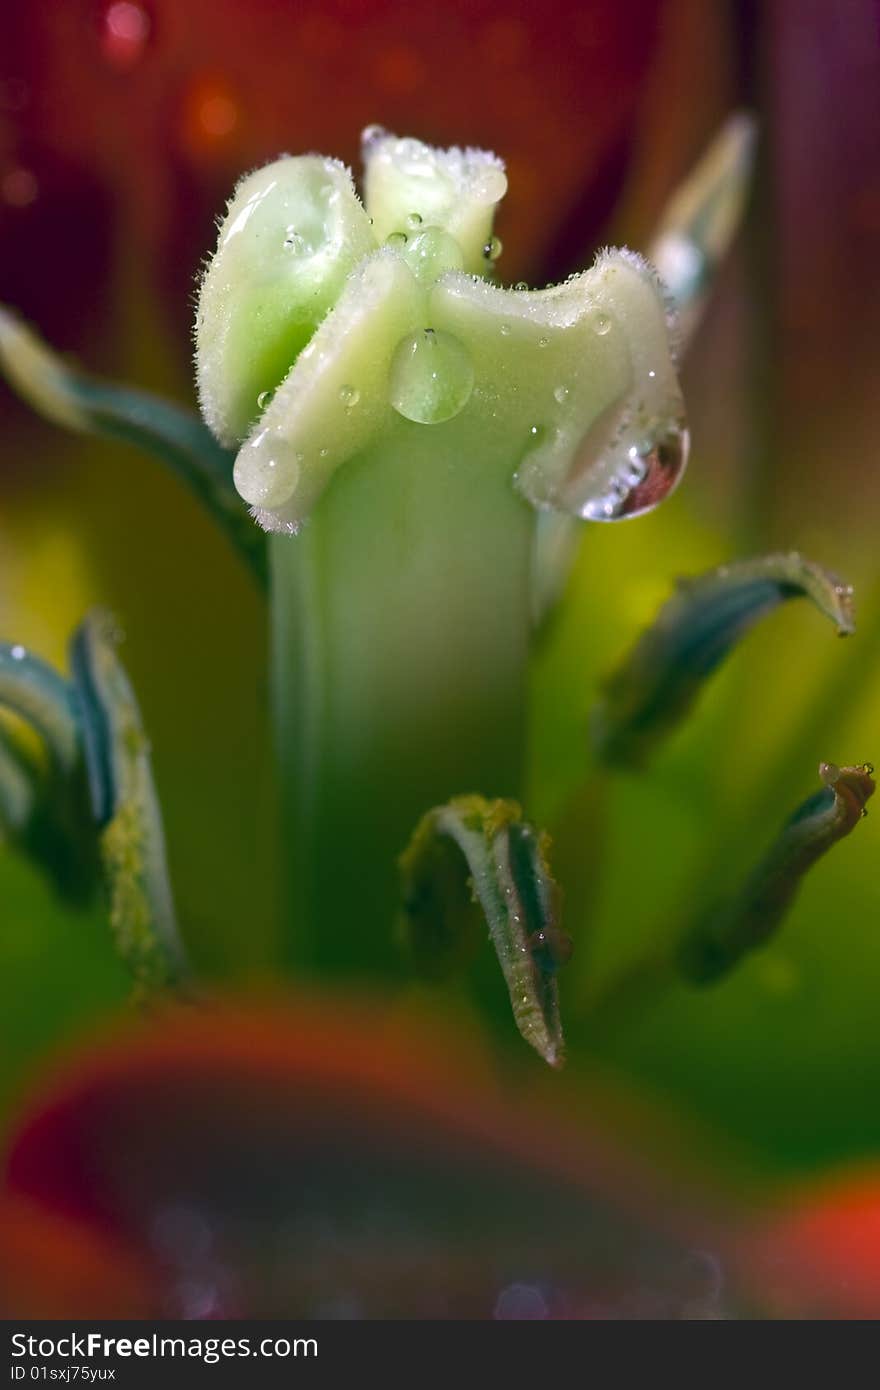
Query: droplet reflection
x,y
643,479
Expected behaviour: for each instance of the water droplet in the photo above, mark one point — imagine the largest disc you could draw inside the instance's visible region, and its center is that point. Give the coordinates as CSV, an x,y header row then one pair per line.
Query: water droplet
x,y
601,324
550,949
542,342
505,329
431,378
493,248
267,469
414,220
560,394
641,482
18,653
264,398
488,186
371,136
294,241
349,395
397,240
535,431
521,285
863,812
431,253
868,769
124,32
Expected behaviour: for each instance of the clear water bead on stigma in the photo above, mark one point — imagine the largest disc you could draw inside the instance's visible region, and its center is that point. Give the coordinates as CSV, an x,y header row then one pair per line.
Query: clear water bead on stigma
x,y
489,186
431,253
267,470
640,482
432,377
371,136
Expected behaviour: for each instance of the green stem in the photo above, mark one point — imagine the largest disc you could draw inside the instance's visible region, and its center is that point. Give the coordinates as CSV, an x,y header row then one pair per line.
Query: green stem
x,y
401,621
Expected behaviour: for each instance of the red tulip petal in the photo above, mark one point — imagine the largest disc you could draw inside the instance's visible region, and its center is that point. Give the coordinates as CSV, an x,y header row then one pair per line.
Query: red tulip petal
x,y
820,1257
166,104
294,1161
53,1268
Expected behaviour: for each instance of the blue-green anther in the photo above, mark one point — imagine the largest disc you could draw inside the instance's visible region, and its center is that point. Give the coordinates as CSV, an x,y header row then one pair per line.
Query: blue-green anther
x,y
77,401
38,694
702,219
750,917
482,854
656,685
126,809
18,789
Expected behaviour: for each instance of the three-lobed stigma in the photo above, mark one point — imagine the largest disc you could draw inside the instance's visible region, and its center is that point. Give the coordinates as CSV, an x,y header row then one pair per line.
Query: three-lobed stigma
x,y
325,325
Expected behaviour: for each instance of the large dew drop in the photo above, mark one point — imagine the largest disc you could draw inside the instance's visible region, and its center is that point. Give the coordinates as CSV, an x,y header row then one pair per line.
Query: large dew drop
x,y
431,253
641,481
432,377
267,470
